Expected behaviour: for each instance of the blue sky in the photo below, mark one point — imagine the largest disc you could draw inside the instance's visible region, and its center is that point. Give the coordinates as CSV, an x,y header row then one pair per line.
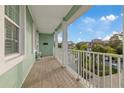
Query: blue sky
x,y
100,22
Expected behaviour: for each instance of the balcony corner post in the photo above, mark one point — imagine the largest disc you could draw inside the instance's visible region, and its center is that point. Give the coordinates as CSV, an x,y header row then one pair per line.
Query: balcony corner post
x,y
65,45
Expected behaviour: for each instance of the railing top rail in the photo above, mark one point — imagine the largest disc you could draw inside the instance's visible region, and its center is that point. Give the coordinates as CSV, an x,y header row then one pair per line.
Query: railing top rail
x,y
106,54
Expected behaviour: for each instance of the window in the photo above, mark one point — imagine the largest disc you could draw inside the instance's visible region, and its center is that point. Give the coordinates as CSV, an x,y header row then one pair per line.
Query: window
x,y
45,43
11,29
12,11
60,40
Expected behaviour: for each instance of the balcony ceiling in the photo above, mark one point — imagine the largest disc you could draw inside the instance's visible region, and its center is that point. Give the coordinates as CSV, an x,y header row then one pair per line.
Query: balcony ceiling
x,y
48,17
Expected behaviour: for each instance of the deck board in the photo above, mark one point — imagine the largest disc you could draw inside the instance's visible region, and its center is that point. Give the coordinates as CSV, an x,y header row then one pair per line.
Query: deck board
x,y
48,73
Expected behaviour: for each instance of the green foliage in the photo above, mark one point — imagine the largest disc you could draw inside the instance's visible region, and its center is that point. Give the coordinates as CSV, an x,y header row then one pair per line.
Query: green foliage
x,y
99,48
75,48
110,49
115,47
119,49
78,46
83,47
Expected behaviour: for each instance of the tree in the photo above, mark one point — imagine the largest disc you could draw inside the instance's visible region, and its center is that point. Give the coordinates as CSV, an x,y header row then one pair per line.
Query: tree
x,y
84,47
98,48
78,45
110,49
119,49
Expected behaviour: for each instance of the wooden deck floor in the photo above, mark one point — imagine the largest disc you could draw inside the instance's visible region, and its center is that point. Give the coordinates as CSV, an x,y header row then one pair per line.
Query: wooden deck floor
x,y
48,73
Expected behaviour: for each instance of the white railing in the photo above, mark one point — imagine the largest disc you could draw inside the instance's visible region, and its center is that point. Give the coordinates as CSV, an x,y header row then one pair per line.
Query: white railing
x,y
96,69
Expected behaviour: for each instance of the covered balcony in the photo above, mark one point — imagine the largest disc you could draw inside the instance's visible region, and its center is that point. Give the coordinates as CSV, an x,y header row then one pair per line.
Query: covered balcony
x,y
55,67
71,68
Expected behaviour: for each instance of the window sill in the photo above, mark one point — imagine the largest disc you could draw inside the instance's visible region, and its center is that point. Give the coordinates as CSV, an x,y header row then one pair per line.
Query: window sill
x,y
10,62
11,57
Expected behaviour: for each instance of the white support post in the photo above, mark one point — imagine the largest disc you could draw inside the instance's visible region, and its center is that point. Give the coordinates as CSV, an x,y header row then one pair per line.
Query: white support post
x,y
56,43
65,45
2,35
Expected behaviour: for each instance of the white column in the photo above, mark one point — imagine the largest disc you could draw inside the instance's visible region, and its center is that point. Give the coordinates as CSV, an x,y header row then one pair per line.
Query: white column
x,y
65,45
2,41
56,43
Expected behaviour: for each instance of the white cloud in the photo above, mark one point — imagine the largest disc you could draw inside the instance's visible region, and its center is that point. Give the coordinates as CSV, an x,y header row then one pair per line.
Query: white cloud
x,y
99,37
103,18
107,37
121,14
88,20
80,32
110,17
79,39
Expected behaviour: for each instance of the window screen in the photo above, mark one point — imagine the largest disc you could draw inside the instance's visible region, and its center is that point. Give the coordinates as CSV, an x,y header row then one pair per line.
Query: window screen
x,y
11,30
12,11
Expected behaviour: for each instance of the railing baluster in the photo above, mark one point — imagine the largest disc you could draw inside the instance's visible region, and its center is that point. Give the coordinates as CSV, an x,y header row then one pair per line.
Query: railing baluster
x,y
71,57
88,59
93,71
110,69
98,69
83,65
119,73
104,71
78,59
89,69
86,67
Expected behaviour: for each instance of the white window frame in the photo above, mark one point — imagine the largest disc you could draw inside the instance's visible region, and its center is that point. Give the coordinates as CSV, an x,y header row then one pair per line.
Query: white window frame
x,y
10,56
22,29
9,61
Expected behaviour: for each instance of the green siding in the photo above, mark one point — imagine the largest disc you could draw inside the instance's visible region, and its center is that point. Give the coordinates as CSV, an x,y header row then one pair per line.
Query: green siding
x,y
46,50
15,76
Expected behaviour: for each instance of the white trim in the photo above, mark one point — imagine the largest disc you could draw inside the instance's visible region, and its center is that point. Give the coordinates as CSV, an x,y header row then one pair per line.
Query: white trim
x,y
79,12
8,19
11,56
25,30
2,41
21,30
33,37
11,21
65,44
9,61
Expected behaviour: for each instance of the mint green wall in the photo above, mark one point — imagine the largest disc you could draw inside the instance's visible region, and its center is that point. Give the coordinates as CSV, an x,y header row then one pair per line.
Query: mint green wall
x,y
15,76
46,50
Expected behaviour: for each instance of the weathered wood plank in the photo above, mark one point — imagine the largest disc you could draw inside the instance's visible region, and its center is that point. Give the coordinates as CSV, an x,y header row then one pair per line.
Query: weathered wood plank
x,y
48,73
